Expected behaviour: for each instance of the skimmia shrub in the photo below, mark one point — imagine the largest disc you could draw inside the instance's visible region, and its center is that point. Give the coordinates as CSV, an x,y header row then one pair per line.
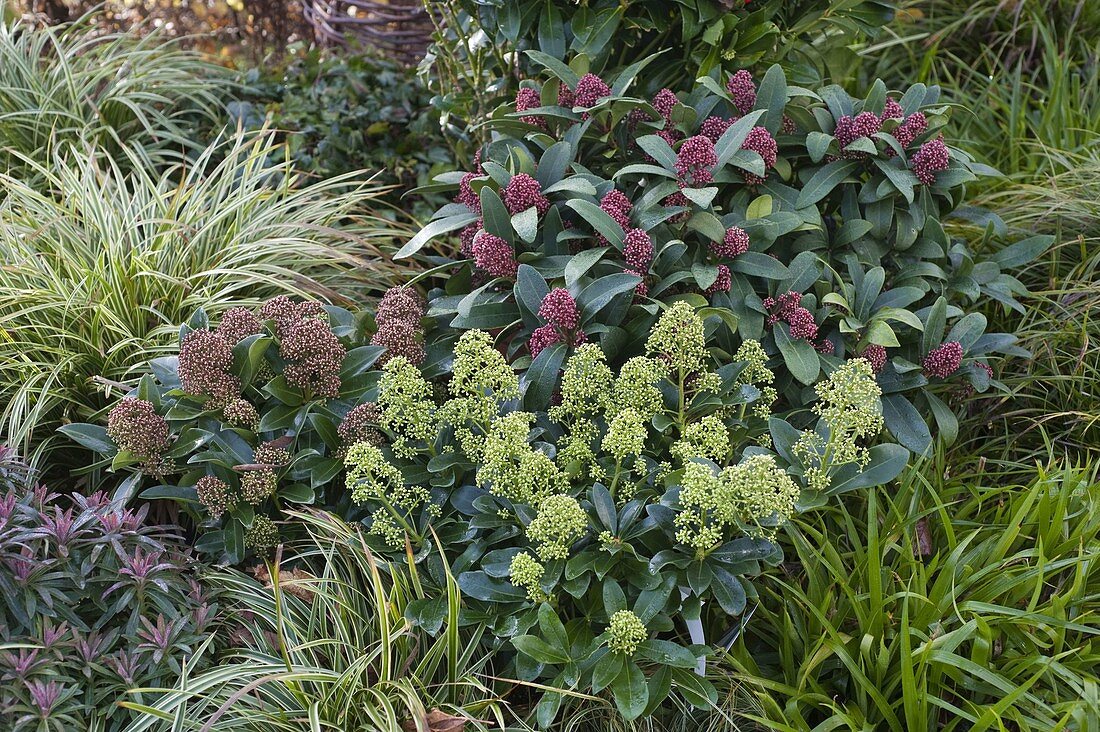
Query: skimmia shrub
x,y
808,220
472,61
95,603
252,415
605,541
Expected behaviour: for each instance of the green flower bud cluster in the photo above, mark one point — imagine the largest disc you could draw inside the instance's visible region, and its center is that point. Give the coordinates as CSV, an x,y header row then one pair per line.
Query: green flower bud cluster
x,y
759,491
678,339
586,388
525,571
262,535
626,435
756,373
371,477
637,386
512,469
625,633
707,438
559,523
407,409
850,406
482,380
256,485
740,496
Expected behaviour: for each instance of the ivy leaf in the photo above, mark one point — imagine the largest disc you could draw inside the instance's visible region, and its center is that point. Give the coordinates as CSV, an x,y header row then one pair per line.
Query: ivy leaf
x,y
606,671
553,164
539,649
542,376
599,220
731,140
817,144
526,224
554,66
91,436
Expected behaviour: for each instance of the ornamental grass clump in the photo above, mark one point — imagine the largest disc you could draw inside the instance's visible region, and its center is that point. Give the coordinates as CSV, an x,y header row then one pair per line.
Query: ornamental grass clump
x,y
815,222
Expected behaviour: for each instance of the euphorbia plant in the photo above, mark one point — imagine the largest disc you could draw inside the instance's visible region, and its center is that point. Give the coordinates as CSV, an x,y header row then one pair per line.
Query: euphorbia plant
x,y
812,221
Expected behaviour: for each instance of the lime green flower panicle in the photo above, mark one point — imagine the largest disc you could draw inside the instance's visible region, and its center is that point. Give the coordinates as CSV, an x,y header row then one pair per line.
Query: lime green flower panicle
x,y
626,435
372,478
626,632
559,523
512,469
756,373
407,407
679,339
850,405
707,438
527,572
585,397
757,490
744,497
637,387
481,370
482,380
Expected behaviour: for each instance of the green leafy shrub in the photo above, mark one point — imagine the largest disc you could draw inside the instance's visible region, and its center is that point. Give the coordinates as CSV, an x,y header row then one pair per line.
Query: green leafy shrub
x,y
344,113
67,85
247,419
579,533
480,46
811,221
101,265
95,603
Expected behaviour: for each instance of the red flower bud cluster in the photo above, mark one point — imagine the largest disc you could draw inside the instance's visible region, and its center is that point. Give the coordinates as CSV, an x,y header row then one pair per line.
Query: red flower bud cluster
x,y
943,360
849,129
315,356
616,205
134,425
760,141
523,192
788,309
933,157
742,90
694,161
204,362
875,355
237,324
664,102
563,316
494,255
723,282
590,90
735,242
528,98
466,194
638,250
714,127
398,317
